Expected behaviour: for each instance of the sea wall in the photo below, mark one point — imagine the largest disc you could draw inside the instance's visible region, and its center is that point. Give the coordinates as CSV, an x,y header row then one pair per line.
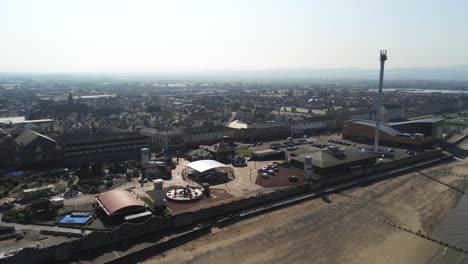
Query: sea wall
x,y
97,239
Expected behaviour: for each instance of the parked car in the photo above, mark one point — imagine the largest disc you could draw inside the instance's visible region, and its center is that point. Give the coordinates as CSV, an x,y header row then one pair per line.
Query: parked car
x,y
271,172
292,148
262,169
293,178
265,175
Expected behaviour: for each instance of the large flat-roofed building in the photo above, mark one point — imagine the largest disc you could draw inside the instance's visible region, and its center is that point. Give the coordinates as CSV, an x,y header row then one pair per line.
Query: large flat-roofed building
x,y
428,127
416,133
254,131
39,125
332,160
84,148
33,193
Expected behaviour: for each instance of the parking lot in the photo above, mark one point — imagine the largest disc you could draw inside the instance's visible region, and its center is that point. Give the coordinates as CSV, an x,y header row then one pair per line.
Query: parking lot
x,y
331,139
280,177
242,184
248,181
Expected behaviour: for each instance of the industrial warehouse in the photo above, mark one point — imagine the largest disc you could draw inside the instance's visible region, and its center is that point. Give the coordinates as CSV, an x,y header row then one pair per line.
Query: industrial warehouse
x,y
332,160
416,133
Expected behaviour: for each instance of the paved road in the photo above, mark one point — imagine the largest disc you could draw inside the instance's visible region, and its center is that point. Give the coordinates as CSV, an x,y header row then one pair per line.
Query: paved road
x,y
41,227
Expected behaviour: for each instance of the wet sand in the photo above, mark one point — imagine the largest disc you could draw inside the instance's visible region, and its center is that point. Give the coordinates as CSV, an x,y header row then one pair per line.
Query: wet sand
x,y
340,228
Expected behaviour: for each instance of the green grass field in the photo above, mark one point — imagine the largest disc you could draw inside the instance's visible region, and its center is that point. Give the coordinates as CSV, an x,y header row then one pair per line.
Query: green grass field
x,y
148,202
244,152
158,211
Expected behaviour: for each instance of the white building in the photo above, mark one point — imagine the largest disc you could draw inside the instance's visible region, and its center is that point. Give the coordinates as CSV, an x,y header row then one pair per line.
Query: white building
x,y
196,138
308,125
167,140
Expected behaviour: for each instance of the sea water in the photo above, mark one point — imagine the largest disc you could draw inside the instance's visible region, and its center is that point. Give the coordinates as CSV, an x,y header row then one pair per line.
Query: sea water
x,y
454,231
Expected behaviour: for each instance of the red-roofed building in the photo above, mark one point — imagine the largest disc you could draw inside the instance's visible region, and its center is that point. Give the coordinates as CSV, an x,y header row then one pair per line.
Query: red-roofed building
x,y
120,202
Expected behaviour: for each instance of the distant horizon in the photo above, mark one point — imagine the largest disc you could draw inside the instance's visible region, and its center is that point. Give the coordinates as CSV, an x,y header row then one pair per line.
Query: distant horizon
x,y
103,71
231,35
449,73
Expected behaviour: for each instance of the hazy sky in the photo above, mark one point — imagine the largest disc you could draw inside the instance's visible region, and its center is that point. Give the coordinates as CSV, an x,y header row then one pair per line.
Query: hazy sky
x,y
172,35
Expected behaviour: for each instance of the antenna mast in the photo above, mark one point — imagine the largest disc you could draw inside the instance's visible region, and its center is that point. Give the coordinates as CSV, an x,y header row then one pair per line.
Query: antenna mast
x,y
383,58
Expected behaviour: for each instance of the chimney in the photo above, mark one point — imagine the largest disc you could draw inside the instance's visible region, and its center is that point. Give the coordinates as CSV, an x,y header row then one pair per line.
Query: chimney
x,y
308,168
158,195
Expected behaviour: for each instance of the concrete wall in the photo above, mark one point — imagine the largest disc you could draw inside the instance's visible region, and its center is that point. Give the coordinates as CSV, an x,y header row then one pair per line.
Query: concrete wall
x,y
66,251
235,206
98,239
158,248
366,170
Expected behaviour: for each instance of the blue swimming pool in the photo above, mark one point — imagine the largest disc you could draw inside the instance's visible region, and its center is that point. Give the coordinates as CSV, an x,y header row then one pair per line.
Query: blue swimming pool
x,y
74,220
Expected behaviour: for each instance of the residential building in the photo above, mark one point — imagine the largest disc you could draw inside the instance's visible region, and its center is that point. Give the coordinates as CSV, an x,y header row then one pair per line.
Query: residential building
x,y
259,131
8,149
85,148
302,127
167,140
195,137
35,148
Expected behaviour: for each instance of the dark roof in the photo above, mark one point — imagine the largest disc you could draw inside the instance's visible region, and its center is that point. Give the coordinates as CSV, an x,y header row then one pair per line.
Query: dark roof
x,y
38,205
29,136
6,140
221,147
199,153
97,137
323,159
393,106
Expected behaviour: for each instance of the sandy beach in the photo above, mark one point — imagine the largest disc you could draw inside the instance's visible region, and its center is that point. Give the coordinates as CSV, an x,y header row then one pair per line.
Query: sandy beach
x,y
339,228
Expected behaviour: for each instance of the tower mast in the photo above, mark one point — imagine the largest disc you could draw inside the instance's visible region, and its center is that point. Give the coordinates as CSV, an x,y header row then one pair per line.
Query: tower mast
x,y
383,58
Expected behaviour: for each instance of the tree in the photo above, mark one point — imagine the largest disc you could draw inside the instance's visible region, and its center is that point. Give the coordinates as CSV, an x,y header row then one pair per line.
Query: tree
x,y
85,171
97,169
108,184
153,108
